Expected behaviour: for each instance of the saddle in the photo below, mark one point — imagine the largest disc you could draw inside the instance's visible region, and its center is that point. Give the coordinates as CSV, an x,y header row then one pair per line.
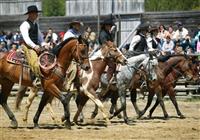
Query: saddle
x,y
46,60
17,57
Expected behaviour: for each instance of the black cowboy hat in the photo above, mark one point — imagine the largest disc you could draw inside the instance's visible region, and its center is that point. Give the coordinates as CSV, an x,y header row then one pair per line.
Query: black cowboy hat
x,y
32,8
153,29
108,22
76,22
143,27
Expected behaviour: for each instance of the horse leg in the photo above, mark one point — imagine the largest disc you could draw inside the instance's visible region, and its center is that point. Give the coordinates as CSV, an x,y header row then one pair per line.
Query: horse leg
x,y
5,91
160,100
32,94
43,102
50,109
80,102
153,108
113,107
95,112
171,94
20,94
122,96
95,99
133,94
150,98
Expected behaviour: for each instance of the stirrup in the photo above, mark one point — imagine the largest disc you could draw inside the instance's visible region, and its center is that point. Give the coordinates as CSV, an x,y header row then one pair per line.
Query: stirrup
x,y
37,82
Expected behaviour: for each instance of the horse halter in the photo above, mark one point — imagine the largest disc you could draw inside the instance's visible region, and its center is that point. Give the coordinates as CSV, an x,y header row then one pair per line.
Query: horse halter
x,y
114,57
184,72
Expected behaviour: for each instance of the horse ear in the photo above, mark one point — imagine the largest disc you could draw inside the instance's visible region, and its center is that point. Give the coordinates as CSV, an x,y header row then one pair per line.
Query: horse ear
x,y
80,39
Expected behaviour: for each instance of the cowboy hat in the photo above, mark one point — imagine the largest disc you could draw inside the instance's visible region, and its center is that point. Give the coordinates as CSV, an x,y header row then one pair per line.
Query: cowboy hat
x,y
32,8
108,22
76,22
143,27
153,29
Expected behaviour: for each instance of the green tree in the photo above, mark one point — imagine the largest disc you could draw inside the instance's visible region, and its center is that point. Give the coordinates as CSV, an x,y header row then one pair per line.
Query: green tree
x,y
53,7
172,5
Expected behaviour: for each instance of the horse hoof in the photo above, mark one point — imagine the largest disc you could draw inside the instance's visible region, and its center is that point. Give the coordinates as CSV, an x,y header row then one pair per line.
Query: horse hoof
x,y
140,114
67,124
126,121
182,116
36,126
14,124
166,117
119,116
111,117
81,120
62,119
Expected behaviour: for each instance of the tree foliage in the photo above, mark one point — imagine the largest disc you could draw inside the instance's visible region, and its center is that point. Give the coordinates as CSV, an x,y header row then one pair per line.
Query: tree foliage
x,y
172,5
53,7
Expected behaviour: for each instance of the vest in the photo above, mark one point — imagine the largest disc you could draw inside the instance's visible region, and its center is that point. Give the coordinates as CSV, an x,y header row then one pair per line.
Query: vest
x,y
33,32
141,45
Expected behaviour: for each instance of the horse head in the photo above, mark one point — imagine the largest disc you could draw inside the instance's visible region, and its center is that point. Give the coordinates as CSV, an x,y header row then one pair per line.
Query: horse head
x,y
193,71
189,67
110,52
80,54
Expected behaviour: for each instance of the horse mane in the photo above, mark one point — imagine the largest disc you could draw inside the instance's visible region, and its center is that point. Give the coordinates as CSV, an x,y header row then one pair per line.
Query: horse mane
x,y
171,63
66,40
58,47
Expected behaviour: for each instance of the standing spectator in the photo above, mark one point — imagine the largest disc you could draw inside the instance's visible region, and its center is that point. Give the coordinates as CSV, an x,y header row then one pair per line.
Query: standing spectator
x,y
181,33
16,39
93,44
51,38
161,33
3,46
196,38
171,32
168,46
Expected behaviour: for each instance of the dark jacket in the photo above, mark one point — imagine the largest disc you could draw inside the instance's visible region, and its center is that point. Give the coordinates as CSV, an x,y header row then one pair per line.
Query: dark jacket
x,y
105,36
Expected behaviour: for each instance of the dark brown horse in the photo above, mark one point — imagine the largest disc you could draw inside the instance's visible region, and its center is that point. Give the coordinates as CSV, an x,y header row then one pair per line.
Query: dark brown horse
x,y
90,80
52,81
179,66
169,84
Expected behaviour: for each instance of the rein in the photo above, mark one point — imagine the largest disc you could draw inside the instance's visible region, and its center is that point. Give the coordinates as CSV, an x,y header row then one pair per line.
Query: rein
x,y
75,51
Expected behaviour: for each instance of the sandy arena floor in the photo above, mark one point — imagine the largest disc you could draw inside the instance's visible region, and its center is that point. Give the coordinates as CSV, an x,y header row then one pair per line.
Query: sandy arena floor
x,y
144,129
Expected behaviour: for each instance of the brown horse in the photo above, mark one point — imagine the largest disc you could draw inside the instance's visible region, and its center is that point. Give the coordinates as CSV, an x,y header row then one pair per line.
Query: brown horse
x,y
52,81
168,73
169,84
90,80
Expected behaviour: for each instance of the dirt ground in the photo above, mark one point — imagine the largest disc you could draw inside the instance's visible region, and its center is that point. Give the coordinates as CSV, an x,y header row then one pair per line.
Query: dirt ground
x,y
144,129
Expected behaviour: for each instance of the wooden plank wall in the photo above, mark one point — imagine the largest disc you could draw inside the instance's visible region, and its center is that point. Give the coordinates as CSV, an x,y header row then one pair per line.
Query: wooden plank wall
x,y
17,7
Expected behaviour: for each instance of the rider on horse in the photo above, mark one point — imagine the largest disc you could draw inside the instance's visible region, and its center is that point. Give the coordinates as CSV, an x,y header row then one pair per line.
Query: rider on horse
x,y
33,40
107,35
73,31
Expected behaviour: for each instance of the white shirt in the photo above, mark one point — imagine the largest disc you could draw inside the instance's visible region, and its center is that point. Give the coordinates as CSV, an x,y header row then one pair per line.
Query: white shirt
x,y
134,41
24,28
70,33
180,34
168,46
